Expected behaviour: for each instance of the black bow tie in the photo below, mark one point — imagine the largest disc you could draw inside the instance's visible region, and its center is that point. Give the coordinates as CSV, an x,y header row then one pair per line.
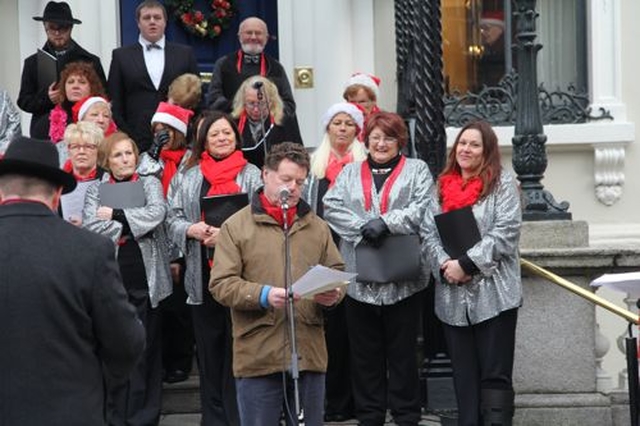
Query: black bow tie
x,y
251,59
151,46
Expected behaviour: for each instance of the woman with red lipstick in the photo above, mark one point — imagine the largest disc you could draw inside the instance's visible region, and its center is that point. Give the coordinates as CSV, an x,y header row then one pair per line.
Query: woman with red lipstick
x,y
479,293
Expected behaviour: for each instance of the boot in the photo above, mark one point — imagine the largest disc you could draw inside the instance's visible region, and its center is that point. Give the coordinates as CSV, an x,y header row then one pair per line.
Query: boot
x,y
496,407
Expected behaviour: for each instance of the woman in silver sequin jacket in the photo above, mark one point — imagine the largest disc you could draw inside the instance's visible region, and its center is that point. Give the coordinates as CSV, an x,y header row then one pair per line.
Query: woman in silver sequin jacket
x,y
478,294
385,194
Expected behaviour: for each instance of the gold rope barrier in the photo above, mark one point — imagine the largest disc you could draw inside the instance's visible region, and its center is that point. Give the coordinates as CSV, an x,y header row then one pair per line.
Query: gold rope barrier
x,y
585,294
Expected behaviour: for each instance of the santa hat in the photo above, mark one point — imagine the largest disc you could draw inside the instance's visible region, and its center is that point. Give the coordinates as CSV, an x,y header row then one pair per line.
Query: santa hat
x,y
81,107
346,108
172,115
367,80
492,17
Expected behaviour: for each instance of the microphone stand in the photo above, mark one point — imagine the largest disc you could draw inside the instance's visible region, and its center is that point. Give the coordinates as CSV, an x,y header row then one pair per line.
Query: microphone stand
x,y
290,310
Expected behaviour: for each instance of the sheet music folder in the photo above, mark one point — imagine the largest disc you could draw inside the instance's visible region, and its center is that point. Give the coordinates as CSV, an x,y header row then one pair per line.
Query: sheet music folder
x,y
218,208
458,231
47,69
122,195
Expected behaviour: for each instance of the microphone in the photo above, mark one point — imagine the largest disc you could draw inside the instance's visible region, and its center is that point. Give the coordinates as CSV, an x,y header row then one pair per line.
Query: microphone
x,y
283,195
258,85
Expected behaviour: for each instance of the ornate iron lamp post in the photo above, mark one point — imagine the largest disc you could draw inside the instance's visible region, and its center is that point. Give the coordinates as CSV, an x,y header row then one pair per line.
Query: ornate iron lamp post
x,y
529,151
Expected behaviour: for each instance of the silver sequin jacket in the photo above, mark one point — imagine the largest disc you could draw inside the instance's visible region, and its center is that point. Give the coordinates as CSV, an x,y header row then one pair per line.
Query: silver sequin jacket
x,y
9,120
184,210
410,196
145,227
497,286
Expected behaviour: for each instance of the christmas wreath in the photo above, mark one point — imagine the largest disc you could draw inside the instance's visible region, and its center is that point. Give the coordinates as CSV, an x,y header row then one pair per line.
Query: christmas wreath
x,y
197,22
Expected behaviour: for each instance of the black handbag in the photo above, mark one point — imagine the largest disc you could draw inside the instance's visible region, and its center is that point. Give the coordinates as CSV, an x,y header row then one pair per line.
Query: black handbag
x,y
396,259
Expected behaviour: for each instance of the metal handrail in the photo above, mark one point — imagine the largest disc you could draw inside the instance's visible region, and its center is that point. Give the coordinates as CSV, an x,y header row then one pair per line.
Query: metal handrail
x,y
585,294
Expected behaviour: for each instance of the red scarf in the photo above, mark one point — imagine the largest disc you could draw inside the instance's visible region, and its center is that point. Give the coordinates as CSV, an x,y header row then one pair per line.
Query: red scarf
x,y
367,183
335,166
171,160
242,121
222,174
134,177
457,192
68,167
276,211
263,63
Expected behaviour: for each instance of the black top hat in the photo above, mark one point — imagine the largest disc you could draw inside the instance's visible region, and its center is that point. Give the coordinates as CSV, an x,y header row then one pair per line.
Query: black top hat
x,y
39,158
59,13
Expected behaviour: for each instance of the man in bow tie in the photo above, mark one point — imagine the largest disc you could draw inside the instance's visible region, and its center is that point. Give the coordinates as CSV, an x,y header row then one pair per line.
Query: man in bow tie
x,y
231,70
141,73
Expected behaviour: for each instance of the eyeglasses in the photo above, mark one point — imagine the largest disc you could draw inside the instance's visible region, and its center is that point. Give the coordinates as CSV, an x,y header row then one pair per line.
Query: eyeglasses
x,y
255,105
57,29
386,139
78,147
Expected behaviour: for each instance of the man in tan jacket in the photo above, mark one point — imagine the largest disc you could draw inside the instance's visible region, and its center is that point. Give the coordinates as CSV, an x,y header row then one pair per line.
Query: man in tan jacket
x,y
248,276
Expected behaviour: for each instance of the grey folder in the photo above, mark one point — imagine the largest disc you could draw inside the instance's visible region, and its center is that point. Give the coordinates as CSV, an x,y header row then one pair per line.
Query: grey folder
x,y
122,195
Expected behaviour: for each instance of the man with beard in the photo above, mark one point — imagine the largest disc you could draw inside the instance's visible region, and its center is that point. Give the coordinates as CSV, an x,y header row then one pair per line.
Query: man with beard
x,y
38,97
231,70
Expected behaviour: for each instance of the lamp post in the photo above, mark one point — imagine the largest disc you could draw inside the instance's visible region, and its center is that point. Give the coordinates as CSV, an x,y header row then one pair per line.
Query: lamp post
x,y
529,150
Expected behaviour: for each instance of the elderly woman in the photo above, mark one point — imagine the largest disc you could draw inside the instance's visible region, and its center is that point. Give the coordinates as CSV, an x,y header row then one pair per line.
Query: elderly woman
x,y
77,81
363,90
217,167
342,123
95,109
259,113
135,227
480,291
81,142
385,194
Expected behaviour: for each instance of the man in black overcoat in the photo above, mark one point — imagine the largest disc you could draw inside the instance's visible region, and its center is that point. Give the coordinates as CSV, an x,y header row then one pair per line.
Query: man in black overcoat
x,y
67,329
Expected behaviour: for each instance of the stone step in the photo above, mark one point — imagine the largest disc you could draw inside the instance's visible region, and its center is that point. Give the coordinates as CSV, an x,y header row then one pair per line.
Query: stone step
x,y
183,397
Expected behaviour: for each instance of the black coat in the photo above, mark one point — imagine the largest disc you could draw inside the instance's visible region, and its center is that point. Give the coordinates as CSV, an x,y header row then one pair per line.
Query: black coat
x,y
134,98
66,324
287,131
35,99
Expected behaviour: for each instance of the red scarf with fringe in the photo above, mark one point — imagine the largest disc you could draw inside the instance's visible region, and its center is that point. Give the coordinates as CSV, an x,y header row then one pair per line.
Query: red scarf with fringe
x,y
457,192
221,174
171,159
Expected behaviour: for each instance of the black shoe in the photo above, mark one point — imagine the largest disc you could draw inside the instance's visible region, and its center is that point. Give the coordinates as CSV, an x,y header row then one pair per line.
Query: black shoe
x,y
176,376
337,417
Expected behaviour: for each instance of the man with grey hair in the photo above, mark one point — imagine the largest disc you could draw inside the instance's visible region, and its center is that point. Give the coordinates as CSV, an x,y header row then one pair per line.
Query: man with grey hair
x,y
68,330
231,70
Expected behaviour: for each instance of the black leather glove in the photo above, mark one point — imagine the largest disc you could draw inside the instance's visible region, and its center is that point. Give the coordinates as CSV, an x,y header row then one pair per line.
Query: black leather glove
x,y
374,231
159,140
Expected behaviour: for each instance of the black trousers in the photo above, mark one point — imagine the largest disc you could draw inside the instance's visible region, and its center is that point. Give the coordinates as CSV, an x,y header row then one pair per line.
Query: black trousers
x,y
338,392
383,360
138,401
212,330
178,342
482,358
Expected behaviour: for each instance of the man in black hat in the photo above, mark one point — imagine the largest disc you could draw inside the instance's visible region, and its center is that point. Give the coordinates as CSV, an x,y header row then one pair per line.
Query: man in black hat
x,y
66,326
39,97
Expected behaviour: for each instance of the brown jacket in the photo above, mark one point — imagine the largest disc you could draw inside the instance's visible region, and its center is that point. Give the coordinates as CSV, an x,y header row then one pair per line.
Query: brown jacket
x,y
250,254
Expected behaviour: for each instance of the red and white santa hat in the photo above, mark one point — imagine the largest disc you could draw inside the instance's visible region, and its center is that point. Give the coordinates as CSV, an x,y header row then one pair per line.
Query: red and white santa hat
x,y
367,80
492,17
81,107
172,115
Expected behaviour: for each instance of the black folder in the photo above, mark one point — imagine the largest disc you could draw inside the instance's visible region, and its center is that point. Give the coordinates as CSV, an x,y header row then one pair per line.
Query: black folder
x,y
47,69
458,231
218,208
122,195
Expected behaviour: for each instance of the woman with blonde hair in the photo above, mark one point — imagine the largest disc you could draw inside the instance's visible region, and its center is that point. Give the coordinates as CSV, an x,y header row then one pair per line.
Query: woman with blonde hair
x,y
259,113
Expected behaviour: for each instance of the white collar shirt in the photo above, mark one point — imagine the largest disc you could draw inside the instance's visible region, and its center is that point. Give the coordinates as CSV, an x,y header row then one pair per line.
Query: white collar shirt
x,y
153,59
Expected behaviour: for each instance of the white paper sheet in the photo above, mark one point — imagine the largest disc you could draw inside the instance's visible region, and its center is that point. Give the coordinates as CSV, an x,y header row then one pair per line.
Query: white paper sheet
x,y
627,282
320,279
